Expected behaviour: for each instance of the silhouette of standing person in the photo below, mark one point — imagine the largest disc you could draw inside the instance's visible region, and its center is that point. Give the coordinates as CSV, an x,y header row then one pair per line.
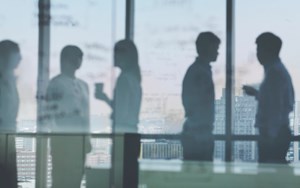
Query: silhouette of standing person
x,y
68,108
10,58
126,105
198,98
128,92
275,101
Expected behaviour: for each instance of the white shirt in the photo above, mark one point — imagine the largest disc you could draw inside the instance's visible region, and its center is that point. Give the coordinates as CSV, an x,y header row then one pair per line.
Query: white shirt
x,y
275,99
68,104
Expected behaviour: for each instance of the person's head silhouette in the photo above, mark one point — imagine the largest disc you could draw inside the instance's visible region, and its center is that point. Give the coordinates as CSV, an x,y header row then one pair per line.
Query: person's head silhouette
x,y
268,47
70,58
10,56
207,45
126,57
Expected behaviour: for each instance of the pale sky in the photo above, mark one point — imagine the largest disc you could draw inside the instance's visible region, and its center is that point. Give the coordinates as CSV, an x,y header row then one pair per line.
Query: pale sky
x,y
165,33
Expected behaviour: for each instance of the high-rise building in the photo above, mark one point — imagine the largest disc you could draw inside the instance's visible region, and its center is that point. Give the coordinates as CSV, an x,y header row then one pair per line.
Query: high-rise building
x,y
244,119
161,149
244,110
26,164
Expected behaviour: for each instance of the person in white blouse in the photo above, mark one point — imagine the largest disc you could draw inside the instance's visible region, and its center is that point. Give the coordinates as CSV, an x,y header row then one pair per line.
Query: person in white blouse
x,y
128,92
10,58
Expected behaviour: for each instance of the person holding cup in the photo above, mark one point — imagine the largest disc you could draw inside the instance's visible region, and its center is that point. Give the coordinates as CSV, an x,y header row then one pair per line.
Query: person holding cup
x,y
127,97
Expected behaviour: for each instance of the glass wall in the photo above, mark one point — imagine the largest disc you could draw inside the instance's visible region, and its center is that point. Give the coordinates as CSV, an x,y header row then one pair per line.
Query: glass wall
x,y
165,32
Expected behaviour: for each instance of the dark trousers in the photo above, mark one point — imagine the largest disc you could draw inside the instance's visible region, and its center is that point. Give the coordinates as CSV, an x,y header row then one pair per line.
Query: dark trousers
x,y
8,163
8,176
274,149
131,166
198,144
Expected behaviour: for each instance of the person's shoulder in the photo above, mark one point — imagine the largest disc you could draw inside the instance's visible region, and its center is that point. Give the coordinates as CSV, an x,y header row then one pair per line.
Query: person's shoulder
x,y
55,89
193,69
83,83
279,69
124,79
278,73
56,80
190,72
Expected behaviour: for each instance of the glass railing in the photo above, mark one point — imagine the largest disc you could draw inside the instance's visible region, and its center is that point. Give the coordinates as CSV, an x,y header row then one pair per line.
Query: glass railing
x,y
113,159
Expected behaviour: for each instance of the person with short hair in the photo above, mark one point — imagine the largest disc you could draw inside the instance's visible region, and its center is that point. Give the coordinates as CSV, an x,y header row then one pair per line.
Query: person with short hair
x,y
68,112
198,98
275,101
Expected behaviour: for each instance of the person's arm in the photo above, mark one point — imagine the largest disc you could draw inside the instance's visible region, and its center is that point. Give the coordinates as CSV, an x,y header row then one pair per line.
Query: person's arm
x,y
102,96
251,91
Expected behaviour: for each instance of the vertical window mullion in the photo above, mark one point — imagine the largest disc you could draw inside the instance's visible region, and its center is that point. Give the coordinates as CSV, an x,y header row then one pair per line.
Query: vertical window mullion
x,y
229,79
42,83
129,28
